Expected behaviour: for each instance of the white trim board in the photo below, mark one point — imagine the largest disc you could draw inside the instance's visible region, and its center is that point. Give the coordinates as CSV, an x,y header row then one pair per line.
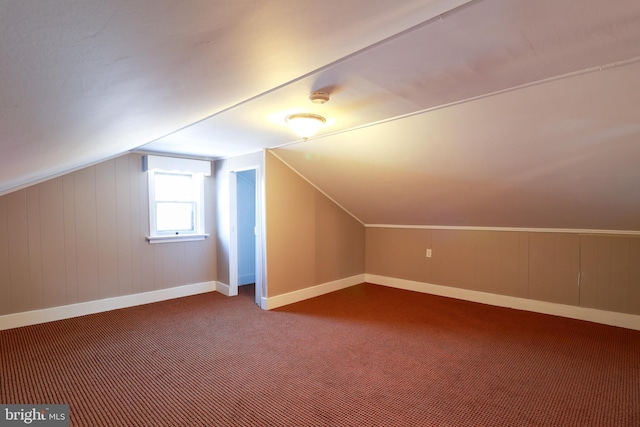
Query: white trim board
x,y
34,317
225,289
525,230
313,291
624,320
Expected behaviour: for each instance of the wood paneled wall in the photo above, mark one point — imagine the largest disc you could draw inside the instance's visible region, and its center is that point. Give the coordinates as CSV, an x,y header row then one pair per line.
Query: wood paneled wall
x,y
594,271
81,237
310,239
610,273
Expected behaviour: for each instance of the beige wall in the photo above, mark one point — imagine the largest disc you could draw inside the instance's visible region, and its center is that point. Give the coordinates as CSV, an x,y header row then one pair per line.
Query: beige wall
x,y
221,172
81,237
539,266
310,240
610,273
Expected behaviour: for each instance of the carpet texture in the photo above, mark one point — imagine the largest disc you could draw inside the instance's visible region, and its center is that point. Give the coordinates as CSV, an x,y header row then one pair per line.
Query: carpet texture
x,y
363,356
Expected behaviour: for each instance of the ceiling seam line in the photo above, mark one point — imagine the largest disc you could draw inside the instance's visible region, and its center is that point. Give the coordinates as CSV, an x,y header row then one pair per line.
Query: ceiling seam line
x,y
584,71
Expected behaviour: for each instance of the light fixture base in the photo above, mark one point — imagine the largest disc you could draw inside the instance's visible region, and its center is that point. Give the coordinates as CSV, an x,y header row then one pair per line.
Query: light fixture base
x,y
319,97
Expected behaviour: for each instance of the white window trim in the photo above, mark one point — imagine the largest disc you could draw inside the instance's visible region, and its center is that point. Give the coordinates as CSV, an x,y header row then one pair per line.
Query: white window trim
x,y
198,169
179,238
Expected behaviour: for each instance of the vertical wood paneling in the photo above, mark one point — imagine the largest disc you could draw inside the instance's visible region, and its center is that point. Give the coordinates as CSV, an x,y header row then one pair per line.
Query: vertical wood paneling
x,y
211,260
147,251
553,267
167,265
603,266
514,256
442,259
123,230
618,290
539,266
486,261
467,244
158,262
589,271
137,232
18,250
607,272
81,237
53,247
399,253
71,266
86,234
453,262
190,262
198,261
634,275
5,276
36,293
107,226
510,263
181,263
377,259
198,265
172,268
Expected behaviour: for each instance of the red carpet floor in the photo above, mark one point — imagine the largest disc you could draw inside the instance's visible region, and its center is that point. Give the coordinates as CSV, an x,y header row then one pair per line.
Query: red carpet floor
x,y
363,356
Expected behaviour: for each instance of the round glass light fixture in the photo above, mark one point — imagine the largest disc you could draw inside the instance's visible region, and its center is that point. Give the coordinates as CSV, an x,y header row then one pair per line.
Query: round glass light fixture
x,y
305,124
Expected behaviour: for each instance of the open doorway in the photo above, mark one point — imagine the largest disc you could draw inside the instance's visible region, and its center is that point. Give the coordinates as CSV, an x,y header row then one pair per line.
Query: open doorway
x,y
246,226
246,254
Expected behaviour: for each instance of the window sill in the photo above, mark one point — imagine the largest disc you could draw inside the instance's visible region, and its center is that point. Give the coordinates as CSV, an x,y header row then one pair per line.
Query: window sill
x,y
176,238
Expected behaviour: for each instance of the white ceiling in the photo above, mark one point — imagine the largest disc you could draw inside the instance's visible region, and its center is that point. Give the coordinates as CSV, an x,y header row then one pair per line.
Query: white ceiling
x,y
84,80
489,113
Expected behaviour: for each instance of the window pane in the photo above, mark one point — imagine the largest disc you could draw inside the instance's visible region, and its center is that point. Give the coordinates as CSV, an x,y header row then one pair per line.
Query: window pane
x,y
174,187
175,216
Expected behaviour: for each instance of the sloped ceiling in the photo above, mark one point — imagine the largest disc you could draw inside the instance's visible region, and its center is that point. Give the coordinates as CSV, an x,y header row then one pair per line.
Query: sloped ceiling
x,y
494,113
563,154
84,80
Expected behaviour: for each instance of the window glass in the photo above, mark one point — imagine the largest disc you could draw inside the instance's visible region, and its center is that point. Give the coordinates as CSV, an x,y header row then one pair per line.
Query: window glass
x,y
176,205
175,216
174,187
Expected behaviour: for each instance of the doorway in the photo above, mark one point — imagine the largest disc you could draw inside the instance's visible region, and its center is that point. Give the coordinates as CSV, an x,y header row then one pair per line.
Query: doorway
x,y
246,244
246,223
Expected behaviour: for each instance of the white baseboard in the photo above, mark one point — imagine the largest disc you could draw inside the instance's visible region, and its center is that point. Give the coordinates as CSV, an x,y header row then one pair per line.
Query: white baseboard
x,y
224,289
313,291
27,318
624,320
34,317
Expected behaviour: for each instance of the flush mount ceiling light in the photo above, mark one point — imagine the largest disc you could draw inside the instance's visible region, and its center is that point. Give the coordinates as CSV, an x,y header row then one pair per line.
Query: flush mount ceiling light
x,y
305,124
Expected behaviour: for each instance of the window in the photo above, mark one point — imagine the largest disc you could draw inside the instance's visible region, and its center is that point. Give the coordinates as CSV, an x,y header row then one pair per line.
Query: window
x,y
176,199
